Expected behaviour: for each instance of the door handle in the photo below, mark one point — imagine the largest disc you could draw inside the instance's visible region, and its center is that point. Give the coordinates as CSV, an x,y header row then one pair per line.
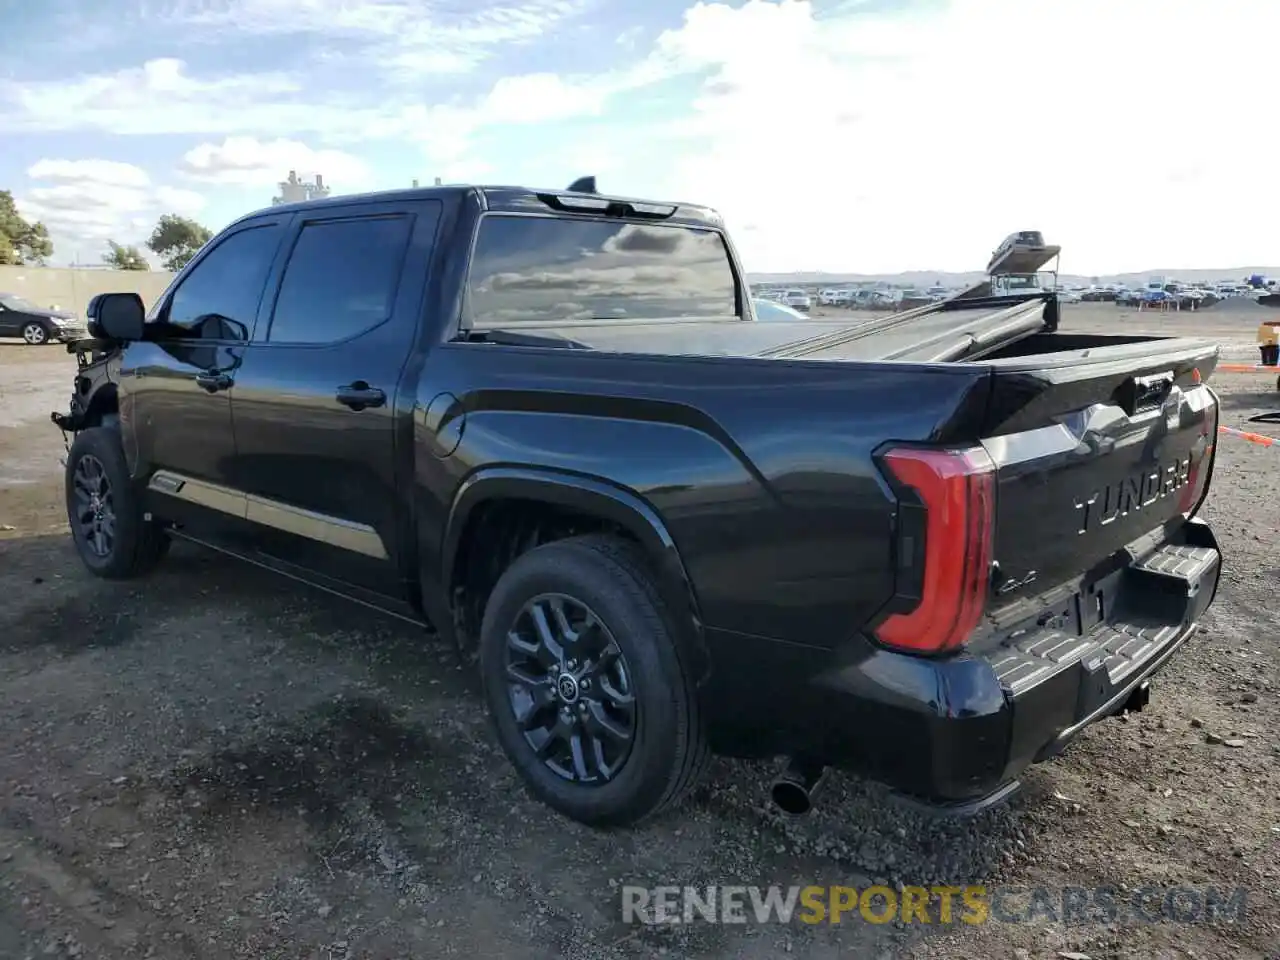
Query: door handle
x,y
359,395
213,382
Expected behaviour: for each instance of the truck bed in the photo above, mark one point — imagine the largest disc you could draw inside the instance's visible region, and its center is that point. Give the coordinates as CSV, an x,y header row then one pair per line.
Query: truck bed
x,y
959,330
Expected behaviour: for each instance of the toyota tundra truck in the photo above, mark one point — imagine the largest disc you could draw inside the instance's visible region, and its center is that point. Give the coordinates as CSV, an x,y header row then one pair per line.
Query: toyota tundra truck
x,y
930,548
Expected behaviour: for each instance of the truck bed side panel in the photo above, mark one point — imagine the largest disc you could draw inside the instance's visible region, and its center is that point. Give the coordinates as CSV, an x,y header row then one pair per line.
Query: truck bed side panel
x,y
762,470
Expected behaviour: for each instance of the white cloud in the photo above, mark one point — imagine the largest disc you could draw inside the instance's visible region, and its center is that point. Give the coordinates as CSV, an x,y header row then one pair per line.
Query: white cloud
x,y
164,97
161,97
404,39
84,203
107,172
884,142
860,139
423,46
445,134
537,98
246,161
186,203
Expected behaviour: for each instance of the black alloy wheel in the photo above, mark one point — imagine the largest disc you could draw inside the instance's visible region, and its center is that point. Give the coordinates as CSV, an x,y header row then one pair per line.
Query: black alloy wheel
x,y
111,530
95,515
570,689
586,677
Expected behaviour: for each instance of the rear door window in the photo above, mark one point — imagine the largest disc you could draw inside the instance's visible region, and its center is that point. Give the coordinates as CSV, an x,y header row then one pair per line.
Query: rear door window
x,y
547,270
341,279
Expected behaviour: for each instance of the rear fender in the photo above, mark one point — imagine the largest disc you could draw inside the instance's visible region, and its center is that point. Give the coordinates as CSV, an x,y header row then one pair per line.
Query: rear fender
x,y
594,497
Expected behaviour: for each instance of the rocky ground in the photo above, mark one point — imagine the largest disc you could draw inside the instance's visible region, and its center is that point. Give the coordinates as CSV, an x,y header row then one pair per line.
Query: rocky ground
x,y
218,763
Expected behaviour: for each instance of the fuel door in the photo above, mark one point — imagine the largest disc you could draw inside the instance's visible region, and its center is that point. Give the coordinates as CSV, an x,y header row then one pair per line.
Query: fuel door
x,y
443,420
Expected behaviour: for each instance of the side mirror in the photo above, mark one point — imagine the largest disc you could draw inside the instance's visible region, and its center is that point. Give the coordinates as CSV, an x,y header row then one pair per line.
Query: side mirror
x,y
116,316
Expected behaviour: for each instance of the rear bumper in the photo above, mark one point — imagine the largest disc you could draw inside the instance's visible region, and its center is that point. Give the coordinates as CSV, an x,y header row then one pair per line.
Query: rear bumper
x,y
954,734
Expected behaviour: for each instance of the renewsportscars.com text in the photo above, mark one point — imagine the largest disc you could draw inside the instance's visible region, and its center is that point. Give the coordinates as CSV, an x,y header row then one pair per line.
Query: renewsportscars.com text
x,y
938,904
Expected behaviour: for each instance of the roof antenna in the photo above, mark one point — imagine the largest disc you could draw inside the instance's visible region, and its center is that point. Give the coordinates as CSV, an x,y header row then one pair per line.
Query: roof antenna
x,y
583,185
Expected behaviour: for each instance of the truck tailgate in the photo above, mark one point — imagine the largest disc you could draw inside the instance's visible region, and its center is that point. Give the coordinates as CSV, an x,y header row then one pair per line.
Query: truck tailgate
x,y
1097,453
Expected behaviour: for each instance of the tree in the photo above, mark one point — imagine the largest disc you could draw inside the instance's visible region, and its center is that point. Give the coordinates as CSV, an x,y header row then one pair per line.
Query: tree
x,y
176,240
20,241
125,258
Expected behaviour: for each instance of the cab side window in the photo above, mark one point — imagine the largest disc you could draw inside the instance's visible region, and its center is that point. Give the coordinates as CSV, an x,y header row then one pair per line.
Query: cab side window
x,y
218,299
341,279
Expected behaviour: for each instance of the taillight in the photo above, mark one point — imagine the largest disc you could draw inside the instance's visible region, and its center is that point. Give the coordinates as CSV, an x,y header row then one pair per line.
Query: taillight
x,y
947,501
1193,494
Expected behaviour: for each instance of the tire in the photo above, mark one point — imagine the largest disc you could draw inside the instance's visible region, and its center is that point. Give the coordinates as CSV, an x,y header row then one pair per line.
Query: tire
x,y
117,543
667,752
35,333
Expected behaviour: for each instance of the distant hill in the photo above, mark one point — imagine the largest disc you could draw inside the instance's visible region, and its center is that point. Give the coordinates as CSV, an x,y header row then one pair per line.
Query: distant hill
x,y
927,278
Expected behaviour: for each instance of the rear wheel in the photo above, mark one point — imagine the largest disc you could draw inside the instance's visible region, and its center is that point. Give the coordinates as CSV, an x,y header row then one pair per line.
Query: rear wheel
x,y
585,684
35,333
111,535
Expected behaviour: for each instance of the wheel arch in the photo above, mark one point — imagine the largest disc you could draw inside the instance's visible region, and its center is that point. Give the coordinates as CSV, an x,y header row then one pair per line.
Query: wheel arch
x,y
611,506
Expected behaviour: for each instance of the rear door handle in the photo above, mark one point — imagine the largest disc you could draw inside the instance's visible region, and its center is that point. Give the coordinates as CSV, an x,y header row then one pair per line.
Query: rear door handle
x,y
213,382
360,395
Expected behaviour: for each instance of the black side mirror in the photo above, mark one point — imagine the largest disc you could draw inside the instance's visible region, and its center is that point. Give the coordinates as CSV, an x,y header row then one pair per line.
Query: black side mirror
x,y
116,316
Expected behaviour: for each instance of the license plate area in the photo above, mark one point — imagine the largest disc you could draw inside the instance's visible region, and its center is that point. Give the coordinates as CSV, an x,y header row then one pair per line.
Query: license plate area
x,y
1111,627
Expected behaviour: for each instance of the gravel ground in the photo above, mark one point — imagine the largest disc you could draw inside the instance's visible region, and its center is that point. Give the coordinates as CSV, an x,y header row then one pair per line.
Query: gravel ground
x,y
220,763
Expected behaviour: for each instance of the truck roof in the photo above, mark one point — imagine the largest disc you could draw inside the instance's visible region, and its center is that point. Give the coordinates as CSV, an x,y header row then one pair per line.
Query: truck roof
x,y
515,199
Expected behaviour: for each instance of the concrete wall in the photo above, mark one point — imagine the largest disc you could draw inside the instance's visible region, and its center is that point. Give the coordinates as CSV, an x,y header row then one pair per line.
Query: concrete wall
x,y
68,289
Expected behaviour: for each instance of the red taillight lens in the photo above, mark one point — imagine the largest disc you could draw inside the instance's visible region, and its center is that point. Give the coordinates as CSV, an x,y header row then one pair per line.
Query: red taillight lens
x,y
956,489
1193,494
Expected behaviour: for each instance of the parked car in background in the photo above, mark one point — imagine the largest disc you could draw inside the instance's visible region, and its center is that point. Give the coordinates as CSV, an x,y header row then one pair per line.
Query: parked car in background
x,y
797,299
37,325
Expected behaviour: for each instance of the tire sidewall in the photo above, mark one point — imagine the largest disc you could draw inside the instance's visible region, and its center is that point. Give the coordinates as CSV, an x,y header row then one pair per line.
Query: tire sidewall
x,y
654,668
104,444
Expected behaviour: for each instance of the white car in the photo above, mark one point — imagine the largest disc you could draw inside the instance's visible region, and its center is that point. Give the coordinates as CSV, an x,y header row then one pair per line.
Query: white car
x,y
797,299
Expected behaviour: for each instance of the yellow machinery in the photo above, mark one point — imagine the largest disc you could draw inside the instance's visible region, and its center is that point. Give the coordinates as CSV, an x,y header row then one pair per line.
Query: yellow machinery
x,y
1269,344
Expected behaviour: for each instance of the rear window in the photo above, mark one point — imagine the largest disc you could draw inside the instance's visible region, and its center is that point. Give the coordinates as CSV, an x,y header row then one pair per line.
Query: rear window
x,y
546,270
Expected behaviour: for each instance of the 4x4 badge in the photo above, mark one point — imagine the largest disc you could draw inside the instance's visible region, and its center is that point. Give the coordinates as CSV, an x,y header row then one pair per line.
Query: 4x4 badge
x,y
1001,585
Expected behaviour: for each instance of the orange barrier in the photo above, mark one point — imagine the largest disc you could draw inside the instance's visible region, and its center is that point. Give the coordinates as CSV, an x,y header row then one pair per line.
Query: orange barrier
x,y
1246,368
1251,437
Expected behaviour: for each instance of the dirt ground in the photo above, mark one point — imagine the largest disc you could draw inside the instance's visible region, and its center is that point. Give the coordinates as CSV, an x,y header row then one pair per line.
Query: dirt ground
x,y
219,763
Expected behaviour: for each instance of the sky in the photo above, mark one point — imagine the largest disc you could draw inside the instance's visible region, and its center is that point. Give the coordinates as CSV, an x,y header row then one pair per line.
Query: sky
x,y
832,135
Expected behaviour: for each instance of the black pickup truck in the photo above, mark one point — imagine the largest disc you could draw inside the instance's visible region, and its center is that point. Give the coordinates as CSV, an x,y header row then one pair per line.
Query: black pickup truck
x,y
929,547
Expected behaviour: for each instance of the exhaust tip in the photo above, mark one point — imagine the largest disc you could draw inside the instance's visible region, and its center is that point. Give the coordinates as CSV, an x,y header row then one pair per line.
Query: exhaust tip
x,y
791,798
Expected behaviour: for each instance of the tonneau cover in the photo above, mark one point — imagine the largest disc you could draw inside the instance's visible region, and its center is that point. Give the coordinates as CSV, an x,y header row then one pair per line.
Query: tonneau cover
x,y
928,334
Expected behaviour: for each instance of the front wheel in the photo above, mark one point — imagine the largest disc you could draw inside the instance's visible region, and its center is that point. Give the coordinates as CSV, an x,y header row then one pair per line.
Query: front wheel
x,y
35,334
585,684
114,540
